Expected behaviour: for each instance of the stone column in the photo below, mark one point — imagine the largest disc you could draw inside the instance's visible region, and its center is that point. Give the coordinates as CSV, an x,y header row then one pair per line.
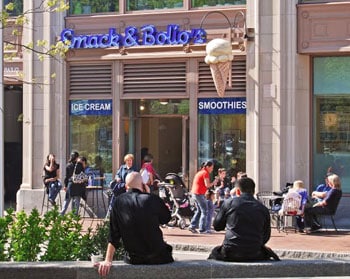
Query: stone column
x,y
44,108
277,97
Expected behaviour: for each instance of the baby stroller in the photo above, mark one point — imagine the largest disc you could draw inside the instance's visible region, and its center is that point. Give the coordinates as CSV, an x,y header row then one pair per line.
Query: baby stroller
x,y
175,195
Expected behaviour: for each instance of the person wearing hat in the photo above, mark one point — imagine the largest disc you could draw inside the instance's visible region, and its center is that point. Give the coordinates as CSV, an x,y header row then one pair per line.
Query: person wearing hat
x,y
135,219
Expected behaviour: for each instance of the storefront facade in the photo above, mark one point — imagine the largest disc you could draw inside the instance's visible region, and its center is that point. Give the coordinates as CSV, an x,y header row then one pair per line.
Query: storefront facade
x,y
159,97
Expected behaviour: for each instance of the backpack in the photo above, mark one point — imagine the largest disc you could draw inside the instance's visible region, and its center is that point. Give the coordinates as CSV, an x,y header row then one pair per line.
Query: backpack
x,y
145,176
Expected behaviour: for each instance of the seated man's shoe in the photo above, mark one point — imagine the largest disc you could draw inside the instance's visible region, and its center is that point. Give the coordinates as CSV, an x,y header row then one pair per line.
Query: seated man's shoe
x,y
315,228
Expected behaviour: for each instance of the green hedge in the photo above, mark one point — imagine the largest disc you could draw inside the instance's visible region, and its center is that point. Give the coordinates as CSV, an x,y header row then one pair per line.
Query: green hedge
x,y
51,237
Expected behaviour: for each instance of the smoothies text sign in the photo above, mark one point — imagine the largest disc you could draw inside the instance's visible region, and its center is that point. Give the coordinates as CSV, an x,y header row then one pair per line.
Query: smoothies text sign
x,y
90,107
147,35
222,105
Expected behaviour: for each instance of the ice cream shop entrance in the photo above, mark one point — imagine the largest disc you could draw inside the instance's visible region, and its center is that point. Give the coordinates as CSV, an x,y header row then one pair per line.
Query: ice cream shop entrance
x,y
158,127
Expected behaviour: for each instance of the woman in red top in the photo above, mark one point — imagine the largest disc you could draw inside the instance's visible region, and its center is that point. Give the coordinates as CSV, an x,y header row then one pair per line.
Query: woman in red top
x,y
201,183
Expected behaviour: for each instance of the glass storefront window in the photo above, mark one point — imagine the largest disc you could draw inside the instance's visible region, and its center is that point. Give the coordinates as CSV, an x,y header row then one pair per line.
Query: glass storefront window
x,y
77,7
90,125
210,3
222,136
331,148
17,7
159,127
139,5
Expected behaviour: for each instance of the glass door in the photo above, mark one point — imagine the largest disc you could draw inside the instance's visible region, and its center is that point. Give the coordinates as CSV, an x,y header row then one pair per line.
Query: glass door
x,y
159,128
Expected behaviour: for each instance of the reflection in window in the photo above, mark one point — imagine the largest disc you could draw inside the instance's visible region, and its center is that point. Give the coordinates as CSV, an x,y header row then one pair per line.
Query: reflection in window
x,y
331,119
206,3
78,7
332,140
17,7
222,139
137,5
91,136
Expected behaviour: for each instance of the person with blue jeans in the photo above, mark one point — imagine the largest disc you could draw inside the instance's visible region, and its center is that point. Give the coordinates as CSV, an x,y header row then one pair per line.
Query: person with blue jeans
x,y
201,182
210,196
51,178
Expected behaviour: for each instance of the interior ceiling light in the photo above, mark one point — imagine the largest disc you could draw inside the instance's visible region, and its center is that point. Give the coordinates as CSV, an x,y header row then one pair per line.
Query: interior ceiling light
x,y
163,101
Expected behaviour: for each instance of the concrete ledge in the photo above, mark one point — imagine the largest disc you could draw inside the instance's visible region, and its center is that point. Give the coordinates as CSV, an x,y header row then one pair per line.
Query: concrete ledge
x,y
180,269
283,254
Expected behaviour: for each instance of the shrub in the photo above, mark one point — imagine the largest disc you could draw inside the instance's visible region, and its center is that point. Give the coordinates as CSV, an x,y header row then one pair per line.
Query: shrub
x,y
50,238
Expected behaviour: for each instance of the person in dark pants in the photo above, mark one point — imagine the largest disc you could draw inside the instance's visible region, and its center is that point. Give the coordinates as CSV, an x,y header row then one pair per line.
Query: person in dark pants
x,y
248,228
327,206
135,218
68,180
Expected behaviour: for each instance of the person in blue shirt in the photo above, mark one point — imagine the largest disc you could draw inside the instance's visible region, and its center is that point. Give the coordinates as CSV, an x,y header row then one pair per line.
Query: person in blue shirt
x,y
321,190
327,206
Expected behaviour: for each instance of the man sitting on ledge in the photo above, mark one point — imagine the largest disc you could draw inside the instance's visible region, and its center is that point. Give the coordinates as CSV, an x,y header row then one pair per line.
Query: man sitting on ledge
x,y
135,218
248,228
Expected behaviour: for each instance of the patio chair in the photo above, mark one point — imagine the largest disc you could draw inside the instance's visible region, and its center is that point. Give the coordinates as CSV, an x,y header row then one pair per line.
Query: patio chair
x,y
290,209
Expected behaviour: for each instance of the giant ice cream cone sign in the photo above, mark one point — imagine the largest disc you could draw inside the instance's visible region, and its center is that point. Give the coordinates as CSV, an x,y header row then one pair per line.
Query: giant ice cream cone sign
x,y
219,57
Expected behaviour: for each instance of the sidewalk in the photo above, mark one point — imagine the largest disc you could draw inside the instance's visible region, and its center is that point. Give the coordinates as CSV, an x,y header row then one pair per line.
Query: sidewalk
x,y
315,245
321,244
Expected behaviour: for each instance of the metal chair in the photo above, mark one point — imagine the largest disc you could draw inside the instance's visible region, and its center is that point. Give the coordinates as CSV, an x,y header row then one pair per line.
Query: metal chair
x,y
290,209
331,216
268,199
46,203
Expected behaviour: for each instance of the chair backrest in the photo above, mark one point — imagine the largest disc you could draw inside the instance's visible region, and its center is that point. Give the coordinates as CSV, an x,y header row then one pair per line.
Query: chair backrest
x,y
291,205
265,198
335,207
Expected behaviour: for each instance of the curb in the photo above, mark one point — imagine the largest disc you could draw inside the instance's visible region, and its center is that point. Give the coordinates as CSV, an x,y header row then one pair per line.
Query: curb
x,y
284,254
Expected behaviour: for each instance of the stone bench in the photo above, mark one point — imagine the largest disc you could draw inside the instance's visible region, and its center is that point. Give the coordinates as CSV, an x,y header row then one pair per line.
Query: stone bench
x,y
180,269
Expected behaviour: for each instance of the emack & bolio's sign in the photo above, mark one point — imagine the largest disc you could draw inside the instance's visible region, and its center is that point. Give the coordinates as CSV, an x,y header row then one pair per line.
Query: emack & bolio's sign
x,y
147,35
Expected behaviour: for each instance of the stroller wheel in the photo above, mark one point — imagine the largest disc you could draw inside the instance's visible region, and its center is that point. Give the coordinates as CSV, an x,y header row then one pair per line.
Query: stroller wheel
x,y
172,222
182,224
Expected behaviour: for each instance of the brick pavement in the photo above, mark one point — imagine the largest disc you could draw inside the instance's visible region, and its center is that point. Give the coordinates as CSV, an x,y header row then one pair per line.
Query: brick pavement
x,y
323,241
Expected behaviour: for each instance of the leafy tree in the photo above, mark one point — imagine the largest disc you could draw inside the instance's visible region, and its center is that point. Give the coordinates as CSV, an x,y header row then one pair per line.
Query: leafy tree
x,y
13,27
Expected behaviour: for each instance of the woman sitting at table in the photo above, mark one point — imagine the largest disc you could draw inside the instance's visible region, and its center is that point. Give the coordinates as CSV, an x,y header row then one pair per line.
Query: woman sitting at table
x,y
298,193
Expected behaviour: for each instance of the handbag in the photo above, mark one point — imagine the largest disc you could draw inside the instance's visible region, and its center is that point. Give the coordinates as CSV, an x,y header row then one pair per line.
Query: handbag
x,y
80,178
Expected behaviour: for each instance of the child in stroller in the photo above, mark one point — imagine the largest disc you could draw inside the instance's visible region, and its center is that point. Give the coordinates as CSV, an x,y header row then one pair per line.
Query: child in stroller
x,y
175,195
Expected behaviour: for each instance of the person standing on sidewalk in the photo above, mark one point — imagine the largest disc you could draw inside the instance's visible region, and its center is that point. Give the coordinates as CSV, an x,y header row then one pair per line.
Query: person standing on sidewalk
x,y
68,179
247,224
201,182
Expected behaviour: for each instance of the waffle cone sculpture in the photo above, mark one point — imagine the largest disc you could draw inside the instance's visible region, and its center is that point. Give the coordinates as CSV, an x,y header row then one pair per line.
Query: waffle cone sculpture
x,y
219,57
220,72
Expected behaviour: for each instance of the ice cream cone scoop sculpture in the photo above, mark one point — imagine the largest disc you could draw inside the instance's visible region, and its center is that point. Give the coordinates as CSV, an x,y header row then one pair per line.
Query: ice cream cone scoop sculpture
x,y
219,57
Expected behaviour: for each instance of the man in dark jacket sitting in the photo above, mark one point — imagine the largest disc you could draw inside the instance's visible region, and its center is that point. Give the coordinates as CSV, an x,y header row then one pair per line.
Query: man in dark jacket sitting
x,y
248,228
135,218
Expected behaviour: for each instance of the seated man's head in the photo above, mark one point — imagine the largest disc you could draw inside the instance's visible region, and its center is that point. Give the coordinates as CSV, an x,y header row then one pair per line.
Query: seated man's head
x,y
134,180
246,185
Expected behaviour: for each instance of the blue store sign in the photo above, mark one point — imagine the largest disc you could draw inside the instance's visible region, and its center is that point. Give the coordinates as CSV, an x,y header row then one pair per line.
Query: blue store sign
x,y
90,107
147,35
222,105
